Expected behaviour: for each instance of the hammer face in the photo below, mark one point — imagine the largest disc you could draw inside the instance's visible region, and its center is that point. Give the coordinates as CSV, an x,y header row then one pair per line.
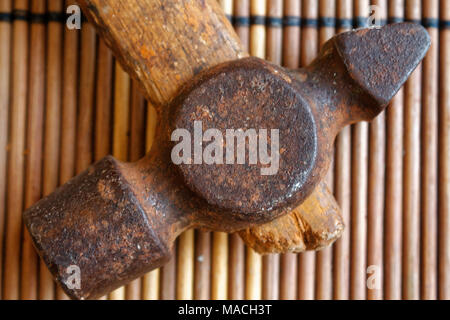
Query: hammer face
x,y
252,136
93,234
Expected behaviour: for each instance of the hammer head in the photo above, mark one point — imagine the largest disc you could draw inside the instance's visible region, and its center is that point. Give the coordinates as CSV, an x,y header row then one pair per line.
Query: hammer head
x,y
115,224
253,138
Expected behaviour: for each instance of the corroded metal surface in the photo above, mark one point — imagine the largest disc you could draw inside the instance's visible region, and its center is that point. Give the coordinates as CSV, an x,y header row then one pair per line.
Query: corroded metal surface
x,y
94,222
249,95
117,221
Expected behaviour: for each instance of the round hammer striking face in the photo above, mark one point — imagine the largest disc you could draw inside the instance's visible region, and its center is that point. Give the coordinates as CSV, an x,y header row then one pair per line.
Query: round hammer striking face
x,y
246,141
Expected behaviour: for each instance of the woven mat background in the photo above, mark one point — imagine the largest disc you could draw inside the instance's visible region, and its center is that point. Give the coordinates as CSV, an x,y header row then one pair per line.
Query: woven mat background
x,y
65,103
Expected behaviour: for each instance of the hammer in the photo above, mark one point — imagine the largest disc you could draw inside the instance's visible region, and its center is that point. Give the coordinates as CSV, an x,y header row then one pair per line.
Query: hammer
x,y
117,221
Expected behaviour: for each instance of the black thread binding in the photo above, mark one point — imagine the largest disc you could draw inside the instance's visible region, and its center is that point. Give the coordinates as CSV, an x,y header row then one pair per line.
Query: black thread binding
x,y
287,21
418,21
38,18
395,20
241,21
292,21
444,24
361,22
346,23
21,15
430,22
312,23
258,20
327,22
5,17
56,17
274,22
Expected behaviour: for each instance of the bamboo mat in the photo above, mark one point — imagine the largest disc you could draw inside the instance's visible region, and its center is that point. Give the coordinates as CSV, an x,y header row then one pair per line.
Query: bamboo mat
x,y
65,103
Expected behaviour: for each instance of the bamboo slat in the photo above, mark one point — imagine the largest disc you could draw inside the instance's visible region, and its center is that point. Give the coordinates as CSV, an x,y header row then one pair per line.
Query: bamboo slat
x,y
185,267
360,134
394,185
341,264
103,102
429,160
52,136
411,174
16,158
35,125
5,62
202,268
84,153
444,154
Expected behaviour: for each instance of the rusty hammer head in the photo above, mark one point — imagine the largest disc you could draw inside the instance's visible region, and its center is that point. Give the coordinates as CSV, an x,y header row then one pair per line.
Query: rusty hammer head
x,y
353,79
117,221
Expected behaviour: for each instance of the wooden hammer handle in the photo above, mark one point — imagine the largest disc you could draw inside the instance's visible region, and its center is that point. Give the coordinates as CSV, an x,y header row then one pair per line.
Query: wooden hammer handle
x,y
163,44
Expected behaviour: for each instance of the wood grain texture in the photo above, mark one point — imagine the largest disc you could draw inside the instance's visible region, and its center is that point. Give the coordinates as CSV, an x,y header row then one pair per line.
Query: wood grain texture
x,y
312,226
147,59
